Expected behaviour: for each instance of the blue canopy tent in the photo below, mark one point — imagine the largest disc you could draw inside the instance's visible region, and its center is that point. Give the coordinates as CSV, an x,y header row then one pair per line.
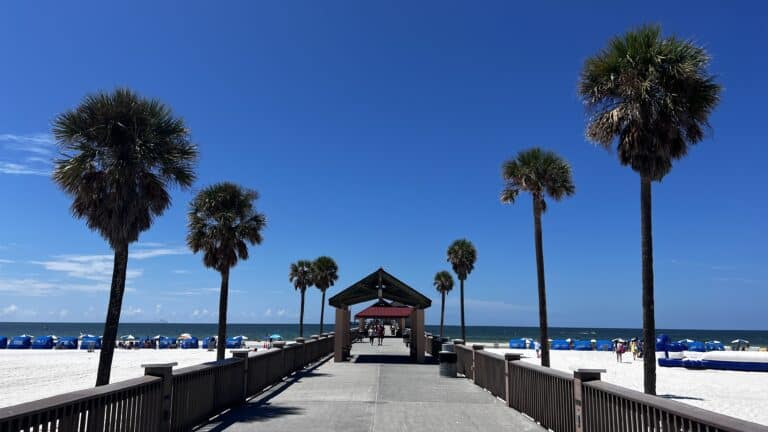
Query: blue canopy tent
x,y
164,342
90,341
3,342
209,342
696,347
20,342
582,345
662,341
714,346
604,345
66,342
188,343
42,342
560,345
522,343
236,342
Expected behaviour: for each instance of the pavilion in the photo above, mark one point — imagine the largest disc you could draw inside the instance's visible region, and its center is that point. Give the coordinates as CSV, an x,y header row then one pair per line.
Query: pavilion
x,y
380,285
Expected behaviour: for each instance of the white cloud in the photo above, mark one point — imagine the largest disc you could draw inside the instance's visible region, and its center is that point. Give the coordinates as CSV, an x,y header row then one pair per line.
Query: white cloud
x,y
198,313
132,312
8,310
63,313
13,311
23,169
40,145
151,253
181,271
281,312
158,309
6,261
268,312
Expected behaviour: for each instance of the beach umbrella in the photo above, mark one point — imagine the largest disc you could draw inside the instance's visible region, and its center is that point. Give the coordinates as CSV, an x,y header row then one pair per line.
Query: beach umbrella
x,y
716,341
593,340
158,337
740,341
618,340
276,337
686,341
185,336
127,337
569,340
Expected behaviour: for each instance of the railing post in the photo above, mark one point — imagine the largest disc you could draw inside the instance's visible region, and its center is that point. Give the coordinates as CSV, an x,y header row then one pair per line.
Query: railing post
x,y
581,376
508,358
303,351
459,342
242,354
475,349
164,371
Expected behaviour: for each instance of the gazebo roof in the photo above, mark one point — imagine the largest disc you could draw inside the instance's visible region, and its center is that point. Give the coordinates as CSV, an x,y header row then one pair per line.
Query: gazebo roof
x,y
392,288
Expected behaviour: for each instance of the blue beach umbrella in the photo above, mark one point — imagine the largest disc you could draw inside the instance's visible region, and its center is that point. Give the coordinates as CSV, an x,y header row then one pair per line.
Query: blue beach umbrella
x,y
276,337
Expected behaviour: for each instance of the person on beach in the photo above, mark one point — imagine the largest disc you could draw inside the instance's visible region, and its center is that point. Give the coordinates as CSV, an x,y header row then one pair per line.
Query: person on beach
x,y
537,347
633,348
619,351
370,335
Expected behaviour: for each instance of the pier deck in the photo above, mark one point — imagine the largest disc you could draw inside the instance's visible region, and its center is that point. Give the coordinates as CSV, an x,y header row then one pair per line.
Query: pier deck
x,y
378,390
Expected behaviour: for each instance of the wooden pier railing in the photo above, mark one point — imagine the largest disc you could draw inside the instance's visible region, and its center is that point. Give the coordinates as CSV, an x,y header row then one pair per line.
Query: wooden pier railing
x,y
165,399
580,402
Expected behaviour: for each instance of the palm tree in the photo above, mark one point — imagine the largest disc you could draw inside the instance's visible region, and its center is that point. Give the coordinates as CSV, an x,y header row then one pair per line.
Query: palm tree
x,y
120,152
301,276
222,222
653,97
324,275
443,284
540,173
462,256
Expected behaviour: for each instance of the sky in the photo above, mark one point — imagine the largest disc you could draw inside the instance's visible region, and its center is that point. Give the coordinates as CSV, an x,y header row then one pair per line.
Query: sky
x,y
374,133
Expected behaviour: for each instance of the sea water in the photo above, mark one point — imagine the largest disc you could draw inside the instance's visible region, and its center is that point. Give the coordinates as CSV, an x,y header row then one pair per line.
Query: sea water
x,y
499,334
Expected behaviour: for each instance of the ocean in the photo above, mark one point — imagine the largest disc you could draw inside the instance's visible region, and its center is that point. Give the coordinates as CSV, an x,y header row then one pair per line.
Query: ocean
x,y
500,334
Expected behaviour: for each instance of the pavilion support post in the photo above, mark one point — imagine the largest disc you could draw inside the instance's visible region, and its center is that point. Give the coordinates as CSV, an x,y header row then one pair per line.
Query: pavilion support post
x,y
338,341
418,331
347,332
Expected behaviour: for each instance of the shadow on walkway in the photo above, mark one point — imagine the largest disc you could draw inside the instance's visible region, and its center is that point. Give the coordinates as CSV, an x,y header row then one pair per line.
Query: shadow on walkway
x,y
258,408
389,359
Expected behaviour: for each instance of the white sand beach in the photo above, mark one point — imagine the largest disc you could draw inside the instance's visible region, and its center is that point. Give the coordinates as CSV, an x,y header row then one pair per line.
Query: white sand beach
x,y
27,375
737,394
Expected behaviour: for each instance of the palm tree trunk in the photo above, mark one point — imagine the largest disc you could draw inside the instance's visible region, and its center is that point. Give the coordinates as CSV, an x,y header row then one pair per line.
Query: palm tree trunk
x,y
221,343
463,334
649,316
543,325
301,316
113,314
322,312
442,313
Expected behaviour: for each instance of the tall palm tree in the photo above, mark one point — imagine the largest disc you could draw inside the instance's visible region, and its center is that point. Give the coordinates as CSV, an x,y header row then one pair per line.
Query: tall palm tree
x,y
539,173
222,222
324,275
120,152
301,276
652,96
462,256
443,284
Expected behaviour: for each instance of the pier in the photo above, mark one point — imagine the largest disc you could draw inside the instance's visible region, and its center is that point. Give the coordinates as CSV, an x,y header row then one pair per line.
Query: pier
x,y
379,390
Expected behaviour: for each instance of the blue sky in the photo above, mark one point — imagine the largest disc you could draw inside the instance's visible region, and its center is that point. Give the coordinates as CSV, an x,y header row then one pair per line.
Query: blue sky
x,y
375,132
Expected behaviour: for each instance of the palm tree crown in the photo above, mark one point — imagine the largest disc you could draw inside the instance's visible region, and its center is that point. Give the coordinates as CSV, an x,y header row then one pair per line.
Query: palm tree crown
x,y
301,274
120,152
652,95
324,272
462,256
539,172
222,221
443,282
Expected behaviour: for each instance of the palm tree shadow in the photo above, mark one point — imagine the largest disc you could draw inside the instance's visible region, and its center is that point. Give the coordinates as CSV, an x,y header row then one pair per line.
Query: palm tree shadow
x,y
671,396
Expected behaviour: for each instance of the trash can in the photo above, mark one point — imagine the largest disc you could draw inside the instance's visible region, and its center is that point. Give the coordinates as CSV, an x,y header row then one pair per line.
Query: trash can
x,y
447,364
437,343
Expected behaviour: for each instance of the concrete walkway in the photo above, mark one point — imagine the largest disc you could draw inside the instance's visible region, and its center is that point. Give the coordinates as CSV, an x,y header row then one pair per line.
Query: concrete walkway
x,y
378,390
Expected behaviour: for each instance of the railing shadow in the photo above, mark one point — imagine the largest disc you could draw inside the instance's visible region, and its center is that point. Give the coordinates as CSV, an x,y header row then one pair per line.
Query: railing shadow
x,y
388,359
259,408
